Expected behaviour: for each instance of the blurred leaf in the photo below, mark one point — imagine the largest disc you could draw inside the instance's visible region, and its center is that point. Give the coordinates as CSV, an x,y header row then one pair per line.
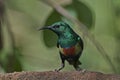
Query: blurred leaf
x,y
49,36
84,13
2,12
10,62
26,14
117,33
13,4
117,11
77,9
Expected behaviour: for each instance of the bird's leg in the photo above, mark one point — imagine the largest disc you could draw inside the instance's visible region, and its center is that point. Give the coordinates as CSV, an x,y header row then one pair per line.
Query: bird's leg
x,y
76,66
62,66
62,63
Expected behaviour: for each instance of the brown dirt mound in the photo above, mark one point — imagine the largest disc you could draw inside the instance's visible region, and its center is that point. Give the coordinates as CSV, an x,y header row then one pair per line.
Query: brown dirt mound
x,y
52,75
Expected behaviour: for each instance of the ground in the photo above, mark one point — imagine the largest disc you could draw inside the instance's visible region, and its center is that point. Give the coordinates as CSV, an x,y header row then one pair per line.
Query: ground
x,y
52,75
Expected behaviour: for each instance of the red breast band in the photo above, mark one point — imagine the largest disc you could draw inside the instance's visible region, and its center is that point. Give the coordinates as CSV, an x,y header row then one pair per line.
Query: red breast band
x,y
69,51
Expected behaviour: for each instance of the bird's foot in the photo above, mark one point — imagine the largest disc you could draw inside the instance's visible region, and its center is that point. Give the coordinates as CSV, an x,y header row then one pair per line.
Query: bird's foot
x,y
56,70
62,66
81,70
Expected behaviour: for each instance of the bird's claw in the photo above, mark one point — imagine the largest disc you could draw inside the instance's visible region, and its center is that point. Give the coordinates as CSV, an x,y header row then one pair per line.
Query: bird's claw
x,y
83,70
56,70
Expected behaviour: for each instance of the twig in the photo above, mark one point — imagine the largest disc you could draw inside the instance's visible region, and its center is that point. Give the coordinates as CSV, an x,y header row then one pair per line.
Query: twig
x,y
83,29
1,21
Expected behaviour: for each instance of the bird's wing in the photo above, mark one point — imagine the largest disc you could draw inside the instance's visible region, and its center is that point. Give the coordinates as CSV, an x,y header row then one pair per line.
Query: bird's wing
x,y
57,44
81,42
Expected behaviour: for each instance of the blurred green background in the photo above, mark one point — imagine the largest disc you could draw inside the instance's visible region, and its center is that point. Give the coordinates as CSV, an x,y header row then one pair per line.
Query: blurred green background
x,y
23,48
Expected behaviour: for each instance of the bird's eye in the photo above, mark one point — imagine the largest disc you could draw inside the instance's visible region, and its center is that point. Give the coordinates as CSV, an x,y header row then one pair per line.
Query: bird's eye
x,y
56,26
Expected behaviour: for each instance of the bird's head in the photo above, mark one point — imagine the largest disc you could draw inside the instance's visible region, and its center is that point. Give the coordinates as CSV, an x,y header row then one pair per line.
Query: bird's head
x,y
58,27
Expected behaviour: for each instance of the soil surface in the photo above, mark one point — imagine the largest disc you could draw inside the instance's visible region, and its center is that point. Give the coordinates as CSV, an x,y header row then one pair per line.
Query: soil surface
x,y
52,75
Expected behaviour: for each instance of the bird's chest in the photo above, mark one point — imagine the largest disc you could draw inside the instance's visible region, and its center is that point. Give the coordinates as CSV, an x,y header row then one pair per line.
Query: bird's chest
x,y
73,50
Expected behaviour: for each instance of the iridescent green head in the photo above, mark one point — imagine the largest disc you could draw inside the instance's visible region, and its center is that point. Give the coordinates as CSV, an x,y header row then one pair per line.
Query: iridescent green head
x,y
58,27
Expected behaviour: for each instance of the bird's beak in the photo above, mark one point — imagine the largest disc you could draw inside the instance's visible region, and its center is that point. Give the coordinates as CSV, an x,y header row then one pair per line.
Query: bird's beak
x,y
43,28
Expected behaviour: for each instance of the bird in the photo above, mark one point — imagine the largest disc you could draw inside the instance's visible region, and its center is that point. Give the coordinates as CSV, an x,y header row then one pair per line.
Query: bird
x,y
69,43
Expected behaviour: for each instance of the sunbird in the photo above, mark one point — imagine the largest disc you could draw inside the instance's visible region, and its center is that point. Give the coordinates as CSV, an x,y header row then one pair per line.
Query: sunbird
x,y
69,43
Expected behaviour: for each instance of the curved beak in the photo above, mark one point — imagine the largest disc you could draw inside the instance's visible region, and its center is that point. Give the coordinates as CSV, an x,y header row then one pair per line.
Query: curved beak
x,y
48,27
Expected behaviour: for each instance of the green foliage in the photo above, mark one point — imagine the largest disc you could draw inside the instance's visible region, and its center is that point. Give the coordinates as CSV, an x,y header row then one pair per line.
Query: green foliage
x,y
77,9
10,62
101,17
